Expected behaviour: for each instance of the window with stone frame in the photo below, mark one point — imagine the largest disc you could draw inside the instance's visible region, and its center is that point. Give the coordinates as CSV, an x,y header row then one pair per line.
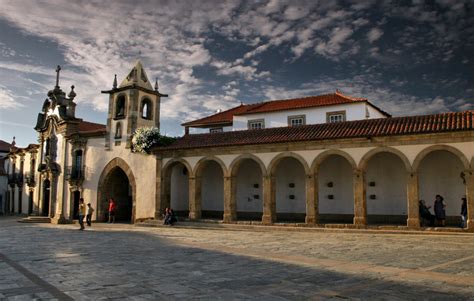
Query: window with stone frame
x,y
296,120
118,131
146,109
256,124
216,130
336,116
120,107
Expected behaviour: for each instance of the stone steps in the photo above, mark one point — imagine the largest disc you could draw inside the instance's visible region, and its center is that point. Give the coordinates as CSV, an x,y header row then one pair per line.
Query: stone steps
x,y
35,220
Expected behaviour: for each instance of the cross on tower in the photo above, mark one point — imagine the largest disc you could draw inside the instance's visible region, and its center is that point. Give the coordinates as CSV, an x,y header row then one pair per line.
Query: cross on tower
x,y
57,75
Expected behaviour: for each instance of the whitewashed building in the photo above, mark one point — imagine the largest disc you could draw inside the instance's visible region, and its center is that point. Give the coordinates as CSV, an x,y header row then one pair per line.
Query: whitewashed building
x,y
321,160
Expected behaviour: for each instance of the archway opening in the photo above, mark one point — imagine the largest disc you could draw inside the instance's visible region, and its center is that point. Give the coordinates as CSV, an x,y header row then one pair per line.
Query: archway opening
x,y
177,189
249,190
441,172
290,187
211,179
75,209
46,197
335,191
386,192
117,186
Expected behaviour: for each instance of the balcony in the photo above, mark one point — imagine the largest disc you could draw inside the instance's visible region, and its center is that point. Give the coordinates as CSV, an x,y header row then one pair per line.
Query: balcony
x,y
11,179
19,179
30,179
75,175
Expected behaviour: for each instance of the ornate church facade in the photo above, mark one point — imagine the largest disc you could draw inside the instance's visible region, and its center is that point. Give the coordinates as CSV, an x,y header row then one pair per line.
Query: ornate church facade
x,y
328,160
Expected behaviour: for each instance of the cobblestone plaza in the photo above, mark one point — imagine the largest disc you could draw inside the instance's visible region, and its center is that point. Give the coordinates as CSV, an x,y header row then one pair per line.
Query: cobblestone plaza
x,y
125,262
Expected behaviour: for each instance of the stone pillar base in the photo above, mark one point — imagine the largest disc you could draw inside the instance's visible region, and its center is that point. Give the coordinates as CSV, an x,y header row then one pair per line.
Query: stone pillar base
x,y
267,219
193,215
470,225
228,218
413,223
360,221
311,220
59,220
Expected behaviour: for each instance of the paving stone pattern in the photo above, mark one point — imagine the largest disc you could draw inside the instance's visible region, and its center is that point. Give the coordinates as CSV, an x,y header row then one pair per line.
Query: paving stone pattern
x,y
125,262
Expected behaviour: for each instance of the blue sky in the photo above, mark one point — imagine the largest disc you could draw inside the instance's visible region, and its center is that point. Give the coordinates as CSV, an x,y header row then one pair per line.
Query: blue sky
x,y
407,57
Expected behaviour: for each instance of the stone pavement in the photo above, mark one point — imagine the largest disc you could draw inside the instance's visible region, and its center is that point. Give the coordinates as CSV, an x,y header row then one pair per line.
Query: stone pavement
x,y
124,262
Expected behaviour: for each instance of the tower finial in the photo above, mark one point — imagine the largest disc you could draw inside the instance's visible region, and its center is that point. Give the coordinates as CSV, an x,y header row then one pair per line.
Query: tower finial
x,y
57,75
156,83
115,82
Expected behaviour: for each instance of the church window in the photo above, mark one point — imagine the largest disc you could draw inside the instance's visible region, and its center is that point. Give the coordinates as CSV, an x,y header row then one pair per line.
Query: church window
x,y
118,131
338,116
77,166
146,109
256,124
120,107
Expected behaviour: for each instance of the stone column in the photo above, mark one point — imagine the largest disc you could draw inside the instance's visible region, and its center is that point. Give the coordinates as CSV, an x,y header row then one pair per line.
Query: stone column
x,y
469,176
269,205
230,206
312,214
194,198
360,202
413,220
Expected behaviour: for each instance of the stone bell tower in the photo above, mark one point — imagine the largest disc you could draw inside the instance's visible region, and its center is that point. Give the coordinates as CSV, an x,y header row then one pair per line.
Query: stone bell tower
x,y
133,104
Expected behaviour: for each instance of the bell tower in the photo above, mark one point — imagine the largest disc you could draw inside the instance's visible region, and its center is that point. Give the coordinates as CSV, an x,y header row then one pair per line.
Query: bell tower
x,y
132,104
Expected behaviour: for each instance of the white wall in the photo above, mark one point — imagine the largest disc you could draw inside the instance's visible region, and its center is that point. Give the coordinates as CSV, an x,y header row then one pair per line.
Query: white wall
x,y
388,173
337,170
315,115
212,189
439,173
179,189
206,130
289,170
249,173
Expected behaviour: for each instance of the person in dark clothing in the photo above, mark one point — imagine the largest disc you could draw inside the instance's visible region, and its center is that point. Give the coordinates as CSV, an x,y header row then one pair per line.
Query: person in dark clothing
x,y
170,217
440,210
425,214
464,213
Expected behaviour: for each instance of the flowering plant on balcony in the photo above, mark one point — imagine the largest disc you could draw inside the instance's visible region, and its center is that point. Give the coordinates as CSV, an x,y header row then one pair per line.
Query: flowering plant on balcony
x,y
146,137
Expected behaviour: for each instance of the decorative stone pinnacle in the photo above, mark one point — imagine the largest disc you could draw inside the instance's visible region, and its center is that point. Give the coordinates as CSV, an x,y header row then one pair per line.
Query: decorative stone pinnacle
x,y
72,94
115,82
57,75
156,84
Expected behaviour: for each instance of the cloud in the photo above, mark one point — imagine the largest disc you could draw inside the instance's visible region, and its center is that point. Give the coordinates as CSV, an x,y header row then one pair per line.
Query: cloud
x,y
7,99
374,34
333,46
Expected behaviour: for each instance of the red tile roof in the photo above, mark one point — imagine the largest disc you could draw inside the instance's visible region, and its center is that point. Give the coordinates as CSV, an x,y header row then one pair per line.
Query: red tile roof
x,y
408,125
86,127
280,105
4,146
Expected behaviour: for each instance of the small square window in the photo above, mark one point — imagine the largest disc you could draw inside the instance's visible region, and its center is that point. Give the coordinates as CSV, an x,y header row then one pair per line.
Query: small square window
x,y
296,120
256,124
339,116
216,130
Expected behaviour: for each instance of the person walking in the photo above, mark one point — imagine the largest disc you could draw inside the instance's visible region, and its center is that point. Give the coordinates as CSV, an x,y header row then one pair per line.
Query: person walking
x,y
82,213
90,210
464,213
112,207
440,210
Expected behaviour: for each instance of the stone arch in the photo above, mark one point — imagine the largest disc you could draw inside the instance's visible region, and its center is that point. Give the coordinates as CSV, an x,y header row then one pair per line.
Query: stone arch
x,y
202,163
384,149
146,108
421,155
234,166
168,190
120,105
102,196
324,155
274,163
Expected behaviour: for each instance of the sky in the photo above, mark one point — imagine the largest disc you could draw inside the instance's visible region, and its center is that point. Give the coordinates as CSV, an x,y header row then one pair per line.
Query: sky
x,y
407,57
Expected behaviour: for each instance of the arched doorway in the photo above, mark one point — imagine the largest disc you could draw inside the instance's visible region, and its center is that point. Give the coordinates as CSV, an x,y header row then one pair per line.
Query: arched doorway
x,y
176,188
442,172
117,182
335,190
386,189
75,209
290,190
210,178
249,190
46,197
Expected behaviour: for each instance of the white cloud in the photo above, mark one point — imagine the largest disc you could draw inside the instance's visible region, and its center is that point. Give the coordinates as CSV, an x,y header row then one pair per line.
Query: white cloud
x,y
374,34
7,99
332,47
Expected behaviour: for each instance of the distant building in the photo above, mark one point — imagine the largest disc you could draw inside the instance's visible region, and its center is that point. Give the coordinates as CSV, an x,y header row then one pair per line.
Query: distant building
x,y
328,159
